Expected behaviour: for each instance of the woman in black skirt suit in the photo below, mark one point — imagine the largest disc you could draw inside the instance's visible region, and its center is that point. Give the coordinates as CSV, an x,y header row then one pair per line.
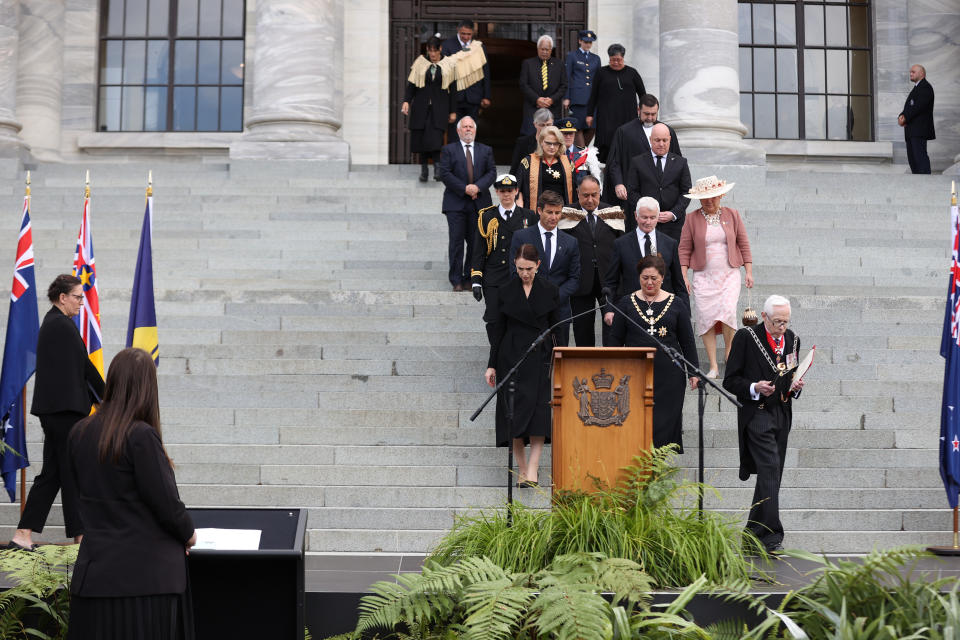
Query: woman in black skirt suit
x,y
130,580
66,386
527,307
429,104
668,318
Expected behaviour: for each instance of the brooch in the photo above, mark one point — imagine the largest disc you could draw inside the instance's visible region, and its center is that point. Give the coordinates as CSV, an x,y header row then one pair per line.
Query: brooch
x,y
554,173
662,331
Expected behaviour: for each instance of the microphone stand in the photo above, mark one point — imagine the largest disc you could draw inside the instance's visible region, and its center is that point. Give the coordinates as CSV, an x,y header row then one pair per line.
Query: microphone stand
x,y
511,393
690,371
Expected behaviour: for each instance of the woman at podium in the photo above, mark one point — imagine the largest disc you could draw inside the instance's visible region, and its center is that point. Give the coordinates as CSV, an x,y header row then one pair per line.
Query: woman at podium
x,y
526,308
663,314
130,579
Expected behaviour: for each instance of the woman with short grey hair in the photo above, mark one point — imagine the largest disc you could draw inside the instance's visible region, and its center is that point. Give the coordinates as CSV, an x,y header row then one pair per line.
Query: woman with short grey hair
x,y
613,98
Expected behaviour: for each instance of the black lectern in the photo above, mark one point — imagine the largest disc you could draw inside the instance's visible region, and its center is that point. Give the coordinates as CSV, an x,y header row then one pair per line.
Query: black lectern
x,y
250,594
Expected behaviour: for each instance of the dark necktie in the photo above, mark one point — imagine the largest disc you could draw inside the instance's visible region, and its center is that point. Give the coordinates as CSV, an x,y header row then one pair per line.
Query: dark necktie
x,y
593,221
508,213
469,157
546,250
647,247
660,166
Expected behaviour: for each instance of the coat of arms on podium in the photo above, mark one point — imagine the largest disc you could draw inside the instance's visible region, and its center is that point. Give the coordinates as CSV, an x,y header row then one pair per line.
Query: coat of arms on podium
x,y
602,408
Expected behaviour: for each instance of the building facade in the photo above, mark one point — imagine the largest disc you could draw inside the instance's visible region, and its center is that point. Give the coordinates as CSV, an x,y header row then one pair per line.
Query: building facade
x,y
743,83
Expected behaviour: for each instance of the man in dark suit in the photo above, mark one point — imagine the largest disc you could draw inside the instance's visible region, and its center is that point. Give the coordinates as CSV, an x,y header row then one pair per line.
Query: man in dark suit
x,y
581,66
595,240
665,177
467,171
543,83
917,120
491,243
630,140
760,373
470,100
621,277
559,256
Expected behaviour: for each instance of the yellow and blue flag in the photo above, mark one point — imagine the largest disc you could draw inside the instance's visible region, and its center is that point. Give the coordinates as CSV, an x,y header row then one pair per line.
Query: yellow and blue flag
x,y
85,268
19,355
142,327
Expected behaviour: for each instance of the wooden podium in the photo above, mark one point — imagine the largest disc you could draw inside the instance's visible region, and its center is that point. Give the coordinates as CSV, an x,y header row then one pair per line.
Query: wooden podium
x,y
602,412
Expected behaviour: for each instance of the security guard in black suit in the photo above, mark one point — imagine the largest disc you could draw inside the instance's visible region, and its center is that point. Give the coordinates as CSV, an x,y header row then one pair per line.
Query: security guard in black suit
x,y
491,242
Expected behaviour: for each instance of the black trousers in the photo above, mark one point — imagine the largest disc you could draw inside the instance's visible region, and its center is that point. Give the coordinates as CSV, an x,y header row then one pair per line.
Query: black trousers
x,y
917,154
767,441
55,476
460,226
583,327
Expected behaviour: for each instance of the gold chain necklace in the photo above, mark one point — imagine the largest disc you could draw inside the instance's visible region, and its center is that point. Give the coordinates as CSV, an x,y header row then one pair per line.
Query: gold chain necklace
x,y
648,316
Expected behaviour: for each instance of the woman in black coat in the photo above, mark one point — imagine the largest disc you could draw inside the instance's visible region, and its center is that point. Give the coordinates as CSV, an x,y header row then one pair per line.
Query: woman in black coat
x,y
614,95
527,307
429,104
666,316
130,579
66,386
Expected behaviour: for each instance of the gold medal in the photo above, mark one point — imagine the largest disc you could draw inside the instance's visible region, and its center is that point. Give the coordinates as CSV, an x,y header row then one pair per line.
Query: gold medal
x,y
781,366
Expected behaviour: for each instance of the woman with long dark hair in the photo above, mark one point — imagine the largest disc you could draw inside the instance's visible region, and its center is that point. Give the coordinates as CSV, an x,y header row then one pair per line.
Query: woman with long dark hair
x,y
428,101
130,580
66,386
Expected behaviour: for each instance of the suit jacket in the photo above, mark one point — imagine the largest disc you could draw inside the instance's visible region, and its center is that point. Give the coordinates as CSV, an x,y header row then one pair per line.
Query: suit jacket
x,y
747,365
621,276
135,526
918,111
66,379
628,141
596,250
433,95
531,87
668,189
581,71
491,264
564,270
453,173
477,91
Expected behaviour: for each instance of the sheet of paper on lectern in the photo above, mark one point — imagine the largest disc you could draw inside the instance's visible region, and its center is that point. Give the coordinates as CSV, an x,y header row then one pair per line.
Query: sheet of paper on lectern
x,y
228,539
805,364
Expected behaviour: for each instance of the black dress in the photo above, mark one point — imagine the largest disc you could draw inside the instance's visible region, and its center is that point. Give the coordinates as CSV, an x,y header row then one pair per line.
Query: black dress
x,y
672,326
615,96
518,321
430,108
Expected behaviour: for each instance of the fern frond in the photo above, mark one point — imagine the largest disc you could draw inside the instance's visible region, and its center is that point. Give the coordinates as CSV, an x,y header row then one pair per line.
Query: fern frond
x,y
626,580
572,612
495,609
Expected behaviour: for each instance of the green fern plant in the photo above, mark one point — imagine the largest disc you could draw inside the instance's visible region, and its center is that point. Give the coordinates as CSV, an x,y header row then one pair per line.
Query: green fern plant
x,y
649,517
38,604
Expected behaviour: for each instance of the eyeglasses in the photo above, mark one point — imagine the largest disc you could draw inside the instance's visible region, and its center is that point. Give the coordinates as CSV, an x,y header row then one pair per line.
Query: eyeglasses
x,y
76,296
550,144
779,323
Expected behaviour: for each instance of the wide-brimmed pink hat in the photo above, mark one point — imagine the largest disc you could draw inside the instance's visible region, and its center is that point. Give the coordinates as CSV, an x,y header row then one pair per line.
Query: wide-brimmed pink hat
x,y
709,187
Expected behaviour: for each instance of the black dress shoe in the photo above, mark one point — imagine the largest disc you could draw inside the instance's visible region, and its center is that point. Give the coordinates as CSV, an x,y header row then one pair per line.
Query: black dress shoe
x,y
424,174
774,549
436,177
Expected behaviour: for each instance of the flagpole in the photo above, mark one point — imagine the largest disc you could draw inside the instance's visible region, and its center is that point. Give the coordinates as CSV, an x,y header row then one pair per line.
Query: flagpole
x,y
23,404
955,549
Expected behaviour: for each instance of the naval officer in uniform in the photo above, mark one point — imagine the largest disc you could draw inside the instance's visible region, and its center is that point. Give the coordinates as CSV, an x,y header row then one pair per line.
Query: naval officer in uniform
x,y
582,66
491,242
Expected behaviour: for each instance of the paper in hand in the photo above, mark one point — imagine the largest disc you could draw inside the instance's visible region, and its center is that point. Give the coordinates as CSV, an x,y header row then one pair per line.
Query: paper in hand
x,y
805,364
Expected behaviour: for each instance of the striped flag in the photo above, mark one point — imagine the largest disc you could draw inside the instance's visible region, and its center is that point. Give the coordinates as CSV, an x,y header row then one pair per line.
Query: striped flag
x,y
85,268
950,350
142,327
19,355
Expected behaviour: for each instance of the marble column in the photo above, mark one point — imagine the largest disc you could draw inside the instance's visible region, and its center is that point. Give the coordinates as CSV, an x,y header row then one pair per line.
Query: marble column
x,y
297,106
10,141
699,81
40,76
933,29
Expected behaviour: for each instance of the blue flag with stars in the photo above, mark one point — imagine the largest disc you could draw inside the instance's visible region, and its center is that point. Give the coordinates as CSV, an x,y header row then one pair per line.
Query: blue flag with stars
x,y
950,350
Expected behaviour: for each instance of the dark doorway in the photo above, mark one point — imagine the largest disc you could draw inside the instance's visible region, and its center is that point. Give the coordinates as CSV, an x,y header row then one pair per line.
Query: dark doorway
x,y
508,30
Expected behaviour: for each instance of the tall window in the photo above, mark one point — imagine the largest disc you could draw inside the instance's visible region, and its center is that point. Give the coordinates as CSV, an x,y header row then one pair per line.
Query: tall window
x,y
171,65
805,69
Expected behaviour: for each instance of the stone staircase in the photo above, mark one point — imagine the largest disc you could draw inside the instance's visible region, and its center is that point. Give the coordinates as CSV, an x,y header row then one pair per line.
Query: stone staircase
x,y
312,354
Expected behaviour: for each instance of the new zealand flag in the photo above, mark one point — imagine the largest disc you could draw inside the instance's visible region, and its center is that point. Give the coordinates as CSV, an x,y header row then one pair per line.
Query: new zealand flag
x,y
950,350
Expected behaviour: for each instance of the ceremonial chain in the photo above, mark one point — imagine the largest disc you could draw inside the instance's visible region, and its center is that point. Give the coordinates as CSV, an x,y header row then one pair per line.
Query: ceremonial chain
x,y
649,314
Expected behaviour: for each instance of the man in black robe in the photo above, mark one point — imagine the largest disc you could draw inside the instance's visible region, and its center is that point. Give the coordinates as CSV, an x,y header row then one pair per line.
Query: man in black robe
x,y
630,140
760,373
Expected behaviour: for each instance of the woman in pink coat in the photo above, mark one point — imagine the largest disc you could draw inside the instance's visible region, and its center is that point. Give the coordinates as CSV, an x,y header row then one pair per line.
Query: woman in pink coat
x,y
714,244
